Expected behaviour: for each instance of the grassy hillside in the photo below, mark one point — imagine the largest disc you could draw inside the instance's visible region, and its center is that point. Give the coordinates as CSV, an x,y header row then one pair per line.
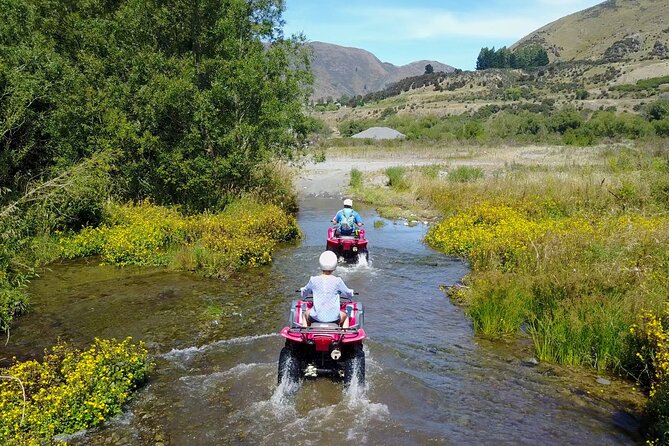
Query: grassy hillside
x,y
613,30
584,85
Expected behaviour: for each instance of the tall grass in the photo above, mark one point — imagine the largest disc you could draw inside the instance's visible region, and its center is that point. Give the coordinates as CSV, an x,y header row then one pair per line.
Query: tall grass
x,y
396,178
356,179
572,255
568,254
465,174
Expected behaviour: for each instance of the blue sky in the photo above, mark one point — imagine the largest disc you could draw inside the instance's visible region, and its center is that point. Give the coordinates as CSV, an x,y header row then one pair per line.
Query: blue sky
x,y
449,31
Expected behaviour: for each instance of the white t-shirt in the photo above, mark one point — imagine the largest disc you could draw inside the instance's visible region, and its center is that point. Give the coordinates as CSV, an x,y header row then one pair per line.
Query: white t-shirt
x,y
326,290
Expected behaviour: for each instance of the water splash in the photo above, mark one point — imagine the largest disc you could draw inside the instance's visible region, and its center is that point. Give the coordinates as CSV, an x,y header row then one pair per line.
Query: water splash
x,y
207,380
189,352
281,404
357,401
363,261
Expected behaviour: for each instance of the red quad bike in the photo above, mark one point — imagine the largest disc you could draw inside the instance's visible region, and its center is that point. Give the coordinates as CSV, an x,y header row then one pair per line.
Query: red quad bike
x,y
323,349
349,247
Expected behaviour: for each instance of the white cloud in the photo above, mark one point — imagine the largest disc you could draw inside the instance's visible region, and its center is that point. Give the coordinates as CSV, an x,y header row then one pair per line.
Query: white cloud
x,y
414,23
397,23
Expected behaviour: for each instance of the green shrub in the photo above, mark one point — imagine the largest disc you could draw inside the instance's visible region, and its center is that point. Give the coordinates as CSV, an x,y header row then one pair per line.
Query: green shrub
x,y
356,179
611,125
465,174
643,84
396,179
353,126
317,126
512,94
582,94
508,125
565,119
581,136
662,127
472,130
657,110
13,302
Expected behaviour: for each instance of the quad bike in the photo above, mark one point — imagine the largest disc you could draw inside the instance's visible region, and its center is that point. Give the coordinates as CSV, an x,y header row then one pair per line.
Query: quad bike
x,y
323,349
348,247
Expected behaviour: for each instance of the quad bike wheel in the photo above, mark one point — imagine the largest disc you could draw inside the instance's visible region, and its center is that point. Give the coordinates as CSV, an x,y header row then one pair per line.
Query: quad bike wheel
x,y
354,366
289,365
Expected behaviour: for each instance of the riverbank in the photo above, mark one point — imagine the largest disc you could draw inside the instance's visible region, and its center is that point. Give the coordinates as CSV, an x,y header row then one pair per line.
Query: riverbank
x,y
70,390
568,253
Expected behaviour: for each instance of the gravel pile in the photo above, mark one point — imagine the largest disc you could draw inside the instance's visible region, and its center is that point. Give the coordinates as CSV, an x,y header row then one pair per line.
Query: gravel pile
x,y
379,133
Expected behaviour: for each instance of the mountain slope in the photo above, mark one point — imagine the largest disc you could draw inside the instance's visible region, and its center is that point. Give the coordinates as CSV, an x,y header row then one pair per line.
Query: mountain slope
x,y
613,30
347,71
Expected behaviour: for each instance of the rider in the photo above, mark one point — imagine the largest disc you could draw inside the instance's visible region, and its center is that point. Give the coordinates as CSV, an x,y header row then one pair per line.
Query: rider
x,y
347,219
326,289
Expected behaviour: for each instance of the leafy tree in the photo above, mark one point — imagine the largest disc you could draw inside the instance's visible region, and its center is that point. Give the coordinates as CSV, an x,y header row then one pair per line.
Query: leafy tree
x,y
566,119
485,58
191,96
429,69
525,57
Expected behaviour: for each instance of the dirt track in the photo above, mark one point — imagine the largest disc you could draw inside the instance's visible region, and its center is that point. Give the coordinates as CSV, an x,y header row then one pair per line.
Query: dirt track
x,y
330,177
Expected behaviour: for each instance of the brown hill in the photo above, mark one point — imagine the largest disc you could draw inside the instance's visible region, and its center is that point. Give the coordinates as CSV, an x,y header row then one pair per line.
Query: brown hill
x,y
347,71
613,30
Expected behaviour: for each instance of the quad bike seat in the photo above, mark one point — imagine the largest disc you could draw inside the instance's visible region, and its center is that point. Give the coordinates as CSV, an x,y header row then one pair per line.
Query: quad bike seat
x,y
324,325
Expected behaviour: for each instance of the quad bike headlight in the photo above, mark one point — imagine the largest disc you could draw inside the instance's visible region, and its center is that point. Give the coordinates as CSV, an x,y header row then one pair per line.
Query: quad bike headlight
x,y
335,354
355,249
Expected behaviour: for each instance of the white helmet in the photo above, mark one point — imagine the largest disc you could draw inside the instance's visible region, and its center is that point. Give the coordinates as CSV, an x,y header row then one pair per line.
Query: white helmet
x,y
328,261
348,202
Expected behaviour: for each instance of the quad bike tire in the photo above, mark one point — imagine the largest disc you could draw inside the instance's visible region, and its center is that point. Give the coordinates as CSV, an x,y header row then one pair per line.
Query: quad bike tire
x,y
289,365
354,366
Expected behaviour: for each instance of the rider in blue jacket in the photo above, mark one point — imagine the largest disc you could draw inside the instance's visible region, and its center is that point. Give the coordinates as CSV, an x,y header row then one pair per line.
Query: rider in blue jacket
x,y
347,220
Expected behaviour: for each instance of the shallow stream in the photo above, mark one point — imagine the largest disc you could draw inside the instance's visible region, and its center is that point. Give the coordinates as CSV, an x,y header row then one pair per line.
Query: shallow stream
x,y
215,348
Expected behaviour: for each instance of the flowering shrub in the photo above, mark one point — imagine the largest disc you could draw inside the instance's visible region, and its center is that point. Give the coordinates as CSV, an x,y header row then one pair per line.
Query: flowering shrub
x,y
245,234
492,235
69,391
650,338
573,281
489,234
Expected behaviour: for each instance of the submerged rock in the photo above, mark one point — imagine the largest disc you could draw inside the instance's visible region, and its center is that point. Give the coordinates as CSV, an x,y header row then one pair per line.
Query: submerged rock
x,y
603,381
530,362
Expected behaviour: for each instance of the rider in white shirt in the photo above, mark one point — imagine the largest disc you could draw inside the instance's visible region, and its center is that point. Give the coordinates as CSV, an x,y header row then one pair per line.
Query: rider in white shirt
x,y
326,289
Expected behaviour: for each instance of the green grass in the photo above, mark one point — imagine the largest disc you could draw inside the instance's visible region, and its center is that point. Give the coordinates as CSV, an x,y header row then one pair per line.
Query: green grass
x,y
465,174
559,254
356,179
396,178
643,84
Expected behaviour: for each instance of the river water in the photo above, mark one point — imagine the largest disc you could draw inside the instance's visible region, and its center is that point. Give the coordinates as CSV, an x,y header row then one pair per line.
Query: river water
x,y
215,348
